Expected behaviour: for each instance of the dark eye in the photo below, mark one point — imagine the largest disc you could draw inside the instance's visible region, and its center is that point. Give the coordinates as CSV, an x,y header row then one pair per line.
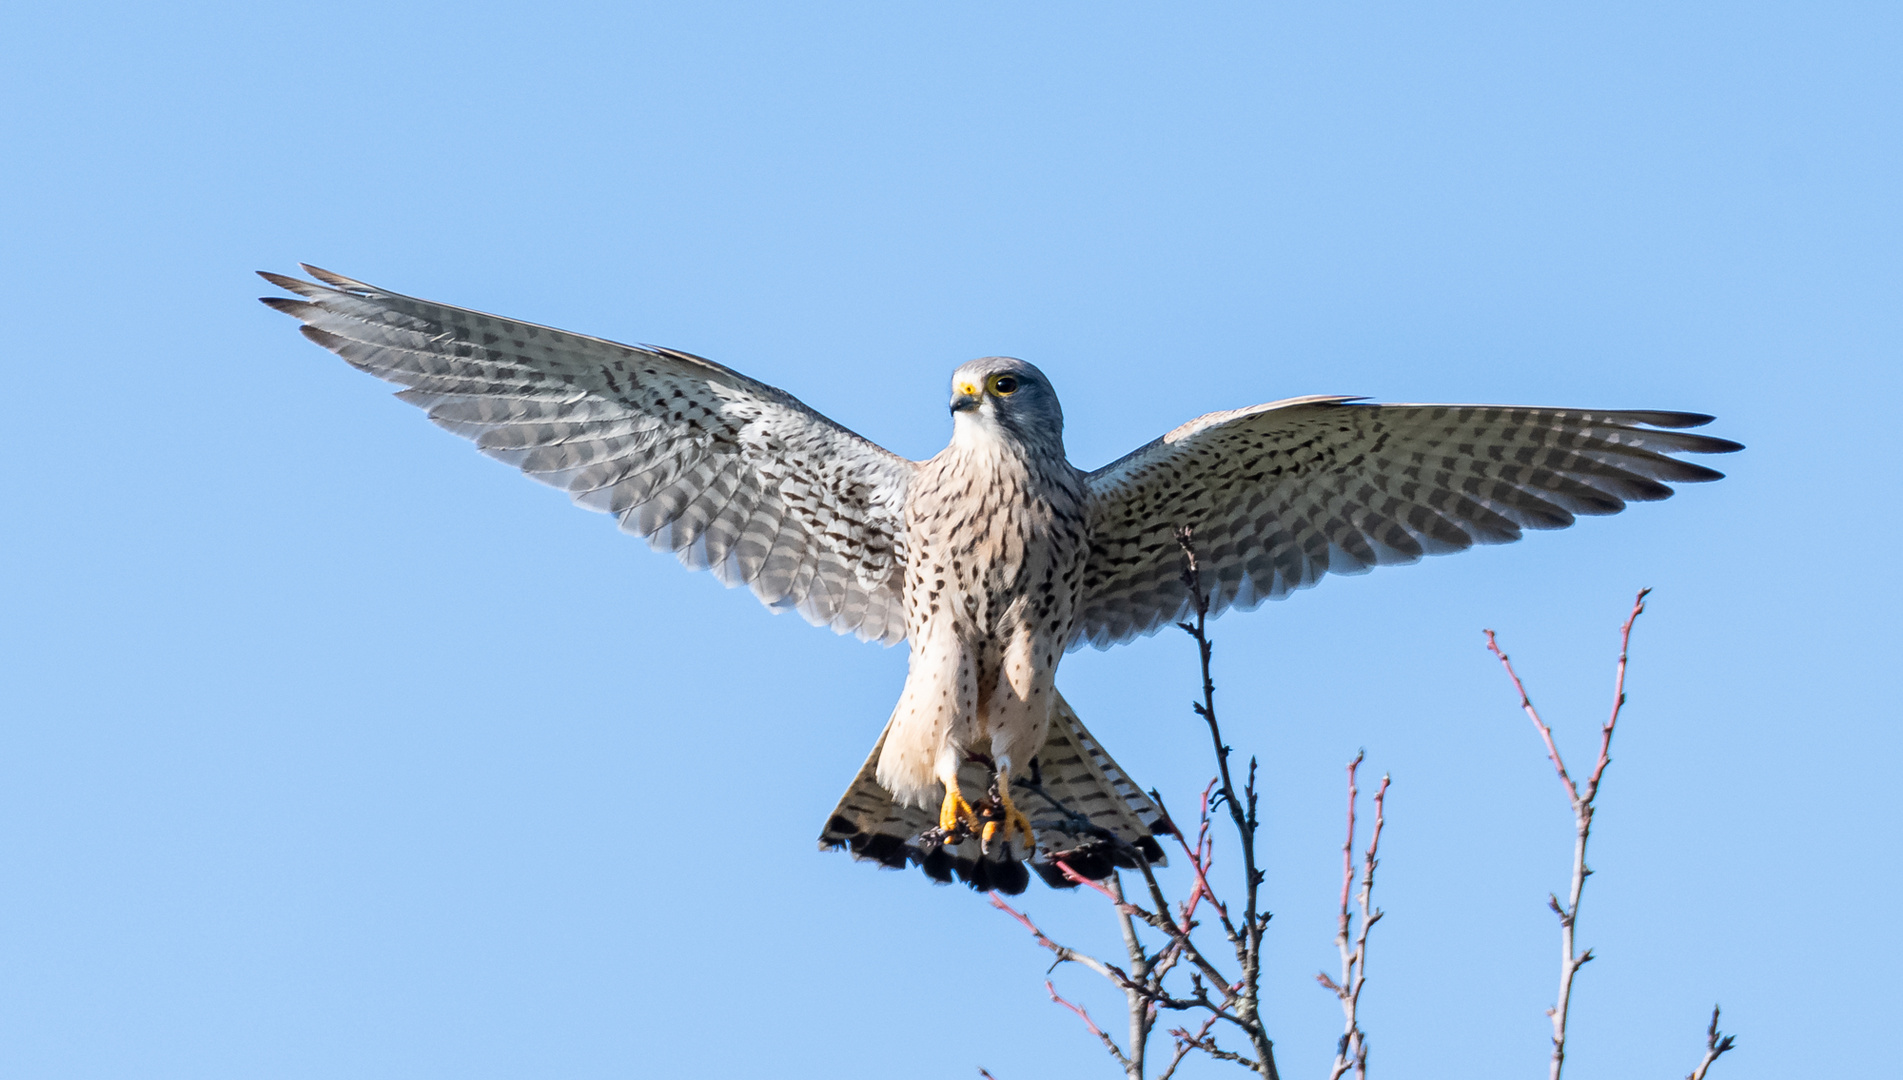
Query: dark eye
x,y
1004,385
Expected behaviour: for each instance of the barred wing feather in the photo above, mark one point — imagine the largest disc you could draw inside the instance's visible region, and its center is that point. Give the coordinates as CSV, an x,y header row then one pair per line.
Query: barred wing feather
x,y
1283,493
728,473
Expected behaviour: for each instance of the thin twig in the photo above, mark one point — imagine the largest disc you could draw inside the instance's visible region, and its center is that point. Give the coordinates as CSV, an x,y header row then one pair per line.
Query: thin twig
x,y
1352,1050
1242,811
1063,954
1109,1043
1526,705
1180,937
1078,879
1716,1044
1208,1046
1582,804
1185,1042
1150,991
1201,857
1348,848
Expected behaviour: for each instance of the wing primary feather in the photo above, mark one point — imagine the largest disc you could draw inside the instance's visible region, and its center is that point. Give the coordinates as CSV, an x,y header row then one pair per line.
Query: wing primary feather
x,y
693,455
1282,493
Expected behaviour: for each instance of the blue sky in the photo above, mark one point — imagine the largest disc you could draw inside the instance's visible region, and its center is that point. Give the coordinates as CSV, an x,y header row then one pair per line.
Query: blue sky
x,y
330,748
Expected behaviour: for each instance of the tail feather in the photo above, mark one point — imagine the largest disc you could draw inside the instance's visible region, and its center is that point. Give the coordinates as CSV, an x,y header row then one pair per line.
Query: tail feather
x,y
1083,808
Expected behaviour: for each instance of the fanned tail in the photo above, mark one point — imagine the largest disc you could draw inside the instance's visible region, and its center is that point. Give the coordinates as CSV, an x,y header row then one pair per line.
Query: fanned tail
x,y
1084,809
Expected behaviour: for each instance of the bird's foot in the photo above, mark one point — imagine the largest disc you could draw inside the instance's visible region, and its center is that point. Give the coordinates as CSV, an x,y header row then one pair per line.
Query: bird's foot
x,y
955,815
1003,817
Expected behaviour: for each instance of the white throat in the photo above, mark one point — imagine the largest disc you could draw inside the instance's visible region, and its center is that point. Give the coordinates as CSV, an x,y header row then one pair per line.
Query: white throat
x,y
976,431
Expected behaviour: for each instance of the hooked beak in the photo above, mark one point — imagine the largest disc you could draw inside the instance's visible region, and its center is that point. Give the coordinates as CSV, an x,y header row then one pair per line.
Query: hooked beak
x,y
965,396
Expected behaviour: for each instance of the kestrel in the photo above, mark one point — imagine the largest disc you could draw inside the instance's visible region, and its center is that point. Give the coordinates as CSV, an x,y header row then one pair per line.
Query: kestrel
x,y
996,556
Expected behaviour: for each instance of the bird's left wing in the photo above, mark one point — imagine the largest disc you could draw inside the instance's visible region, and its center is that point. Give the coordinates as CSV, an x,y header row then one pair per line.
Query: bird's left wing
x,y
729,473
1283,493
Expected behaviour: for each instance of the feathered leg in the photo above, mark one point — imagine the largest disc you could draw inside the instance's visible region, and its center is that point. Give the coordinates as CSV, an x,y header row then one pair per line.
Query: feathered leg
x,y
954,813
1007,818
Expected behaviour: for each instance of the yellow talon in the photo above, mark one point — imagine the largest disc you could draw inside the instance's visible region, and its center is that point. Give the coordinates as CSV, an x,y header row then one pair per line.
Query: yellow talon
x,y
1010,818
956,811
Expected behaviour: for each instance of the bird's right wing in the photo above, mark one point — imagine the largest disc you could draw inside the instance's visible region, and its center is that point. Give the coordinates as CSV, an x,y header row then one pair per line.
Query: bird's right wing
x,y
729,473
1280,494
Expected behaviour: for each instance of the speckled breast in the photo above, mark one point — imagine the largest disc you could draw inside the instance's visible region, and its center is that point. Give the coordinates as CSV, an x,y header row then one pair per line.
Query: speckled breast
x,y
997,541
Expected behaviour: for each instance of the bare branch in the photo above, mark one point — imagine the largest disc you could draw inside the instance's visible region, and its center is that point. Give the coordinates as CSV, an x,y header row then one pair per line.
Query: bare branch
x,y
1207,1044
1352,1050
1348,845
1248,944
1185,1042
1109,1043
1618,696
1716,1044
1078,879
1582,803
1200,859
1064,955
1180,936
1526,703
1216,997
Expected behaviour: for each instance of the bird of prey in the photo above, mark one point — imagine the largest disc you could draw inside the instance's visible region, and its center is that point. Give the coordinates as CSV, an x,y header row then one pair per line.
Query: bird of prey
x,y
997,555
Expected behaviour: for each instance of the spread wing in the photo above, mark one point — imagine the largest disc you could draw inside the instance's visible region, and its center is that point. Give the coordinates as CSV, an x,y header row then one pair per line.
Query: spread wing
x,y
730,474
1280,494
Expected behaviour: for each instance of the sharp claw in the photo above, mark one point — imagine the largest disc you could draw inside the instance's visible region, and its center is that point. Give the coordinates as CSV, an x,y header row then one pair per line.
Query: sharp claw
x,y
1007,818
956,814
958,819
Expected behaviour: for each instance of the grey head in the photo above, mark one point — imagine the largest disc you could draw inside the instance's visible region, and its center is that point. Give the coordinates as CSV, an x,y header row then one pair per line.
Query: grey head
x,y
1002,396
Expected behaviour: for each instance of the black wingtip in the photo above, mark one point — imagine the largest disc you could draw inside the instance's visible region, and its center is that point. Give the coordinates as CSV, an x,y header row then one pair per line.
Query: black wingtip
x,y
322,337
1678,419
338,281
1661,418
1706,444
288,305
1690,473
